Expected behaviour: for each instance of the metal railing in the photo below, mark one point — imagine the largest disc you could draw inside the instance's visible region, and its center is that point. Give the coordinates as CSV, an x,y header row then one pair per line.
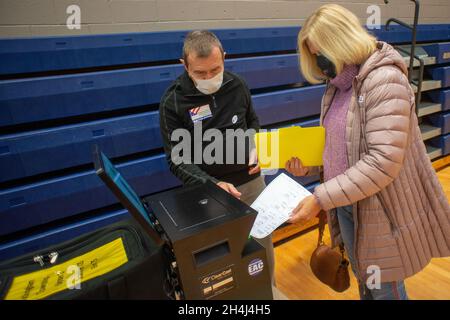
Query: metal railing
x,y
412,55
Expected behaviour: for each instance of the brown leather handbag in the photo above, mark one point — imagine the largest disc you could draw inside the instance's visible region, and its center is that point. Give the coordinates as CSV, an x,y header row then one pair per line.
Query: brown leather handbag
x,y
328,265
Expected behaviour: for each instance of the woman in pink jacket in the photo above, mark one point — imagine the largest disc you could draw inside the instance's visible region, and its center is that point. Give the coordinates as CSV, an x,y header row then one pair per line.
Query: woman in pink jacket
x,y
381,194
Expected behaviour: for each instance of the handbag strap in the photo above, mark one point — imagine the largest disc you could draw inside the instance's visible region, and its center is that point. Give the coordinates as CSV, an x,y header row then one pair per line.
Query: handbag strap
x,y
322,215
321,228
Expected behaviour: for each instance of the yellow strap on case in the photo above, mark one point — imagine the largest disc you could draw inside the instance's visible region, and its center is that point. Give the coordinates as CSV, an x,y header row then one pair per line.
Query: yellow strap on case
x,y
70,274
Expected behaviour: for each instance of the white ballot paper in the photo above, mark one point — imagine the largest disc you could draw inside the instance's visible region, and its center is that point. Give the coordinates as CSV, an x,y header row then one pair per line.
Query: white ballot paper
x,y
275,204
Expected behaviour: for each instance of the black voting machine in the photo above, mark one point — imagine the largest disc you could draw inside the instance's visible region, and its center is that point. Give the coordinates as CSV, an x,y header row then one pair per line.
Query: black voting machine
x,y
205,234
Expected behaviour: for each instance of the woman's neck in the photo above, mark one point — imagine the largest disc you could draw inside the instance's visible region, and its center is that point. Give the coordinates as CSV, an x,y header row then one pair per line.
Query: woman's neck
x,y
343,81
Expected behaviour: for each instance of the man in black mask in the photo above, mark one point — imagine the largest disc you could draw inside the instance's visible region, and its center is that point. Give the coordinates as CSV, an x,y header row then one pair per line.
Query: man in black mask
x,y
208,97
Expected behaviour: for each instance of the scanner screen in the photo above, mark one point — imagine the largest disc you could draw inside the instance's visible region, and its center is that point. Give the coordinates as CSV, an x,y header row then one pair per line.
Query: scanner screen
x,y
125,188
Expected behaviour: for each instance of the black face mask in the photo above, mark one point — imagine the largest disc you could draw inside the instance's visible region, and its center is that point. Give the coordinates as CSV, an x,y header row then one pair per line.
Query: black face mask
x,y
327,67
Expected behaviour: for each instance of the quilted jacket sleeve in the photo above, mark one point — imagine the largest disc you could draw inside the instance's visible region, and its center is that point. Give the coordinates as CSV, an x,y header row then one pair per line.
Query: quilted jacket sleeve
x,y
387,102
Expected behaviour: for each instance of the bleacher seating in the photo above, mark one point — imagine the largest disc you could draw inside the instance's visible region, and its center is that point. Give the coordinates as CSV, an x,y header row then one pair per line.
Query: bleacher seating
x,y
60,95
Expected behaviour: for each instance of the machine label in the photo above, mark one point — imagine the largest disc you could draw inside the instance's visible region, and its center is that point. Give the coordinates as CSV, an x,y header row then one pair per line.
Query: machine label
x,y
255,267
217,282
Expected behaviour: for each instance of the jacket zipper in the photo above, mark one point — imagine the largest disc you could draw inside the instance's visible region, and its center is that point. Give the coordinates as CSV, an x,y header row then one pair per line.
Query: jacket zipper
x,y
392,225
355,216
360,278
214,97
386,211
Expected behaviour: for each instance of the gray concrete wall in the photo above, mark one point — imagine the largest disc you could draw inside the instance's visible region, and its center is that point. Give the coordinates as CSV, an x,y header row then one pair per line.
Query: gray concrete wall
x,y
48,17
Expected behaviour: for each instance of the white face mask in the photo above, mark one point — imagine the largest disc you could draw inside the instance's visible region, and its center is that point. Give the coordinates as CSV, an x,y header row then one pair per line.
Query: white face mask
x,y
210,86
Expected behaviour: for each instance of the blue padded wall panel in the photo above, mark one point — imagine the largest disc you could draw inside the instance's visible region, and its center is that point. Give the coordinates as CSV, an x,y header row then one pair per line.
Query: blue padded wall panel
x,y
443,74
72,52
75,193
425,32
441,120
439,50
39,203
26,154
288,104
31,153
261,72
45,98
442,97
43,240
441,142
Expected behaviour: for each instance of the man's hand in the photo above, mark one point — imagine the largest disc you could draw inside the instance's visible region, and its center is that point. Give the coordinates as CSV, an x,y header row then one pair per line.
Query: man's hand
x,y
307,209
228,187
295,167
253,163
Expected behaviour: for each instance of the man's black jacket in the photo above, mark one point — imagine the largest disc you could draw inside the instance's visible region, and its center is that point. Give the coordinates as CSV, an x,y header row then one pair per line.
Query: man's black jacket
x,y
231,108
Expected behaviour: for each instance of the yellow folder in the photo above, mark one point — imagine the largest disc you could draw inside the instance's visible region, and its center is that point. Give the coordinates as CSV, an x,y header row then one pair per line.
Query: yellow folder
x,y
274,148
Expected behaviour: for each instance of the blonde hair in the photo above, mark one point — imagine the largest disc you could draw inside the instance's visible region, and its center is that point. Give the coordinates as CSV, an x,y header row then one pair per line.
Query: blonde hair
x,y
338,35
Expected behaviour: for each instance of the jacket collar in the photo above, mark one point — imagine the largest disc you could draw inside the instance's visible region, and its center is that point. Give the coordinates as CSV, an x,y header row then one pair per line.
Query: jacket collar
x,y
384,55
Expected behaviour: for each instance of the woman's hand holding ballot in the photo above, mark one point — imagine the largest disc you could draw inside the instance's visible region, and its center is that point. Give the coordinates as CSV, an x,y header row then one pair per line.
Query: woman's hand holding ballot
x,y
307,209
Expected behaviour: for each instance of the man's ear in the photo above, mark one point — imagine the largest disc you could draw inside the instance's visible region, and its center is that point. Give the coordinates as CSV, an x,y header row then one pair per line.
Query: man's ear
x,y
184,64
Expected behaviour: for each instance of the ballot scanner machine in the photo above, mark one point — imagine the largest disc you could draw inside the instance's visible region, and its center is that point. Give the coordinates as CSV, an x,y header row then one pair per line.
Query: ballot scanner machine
x,y
205,232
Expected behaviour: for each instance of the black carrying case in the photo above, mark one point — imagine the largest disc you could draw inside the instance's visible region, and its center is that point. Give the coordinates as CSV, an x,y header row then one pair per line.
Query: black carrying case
x,y
142,276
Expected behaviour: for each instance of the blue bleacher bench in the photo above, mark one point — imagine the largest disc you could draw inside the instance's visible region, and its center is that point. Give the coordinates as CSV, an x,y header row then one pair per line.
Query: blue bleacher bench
x,y
23,101
441,120
441,73
59,95
443,142
441,96
439,50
